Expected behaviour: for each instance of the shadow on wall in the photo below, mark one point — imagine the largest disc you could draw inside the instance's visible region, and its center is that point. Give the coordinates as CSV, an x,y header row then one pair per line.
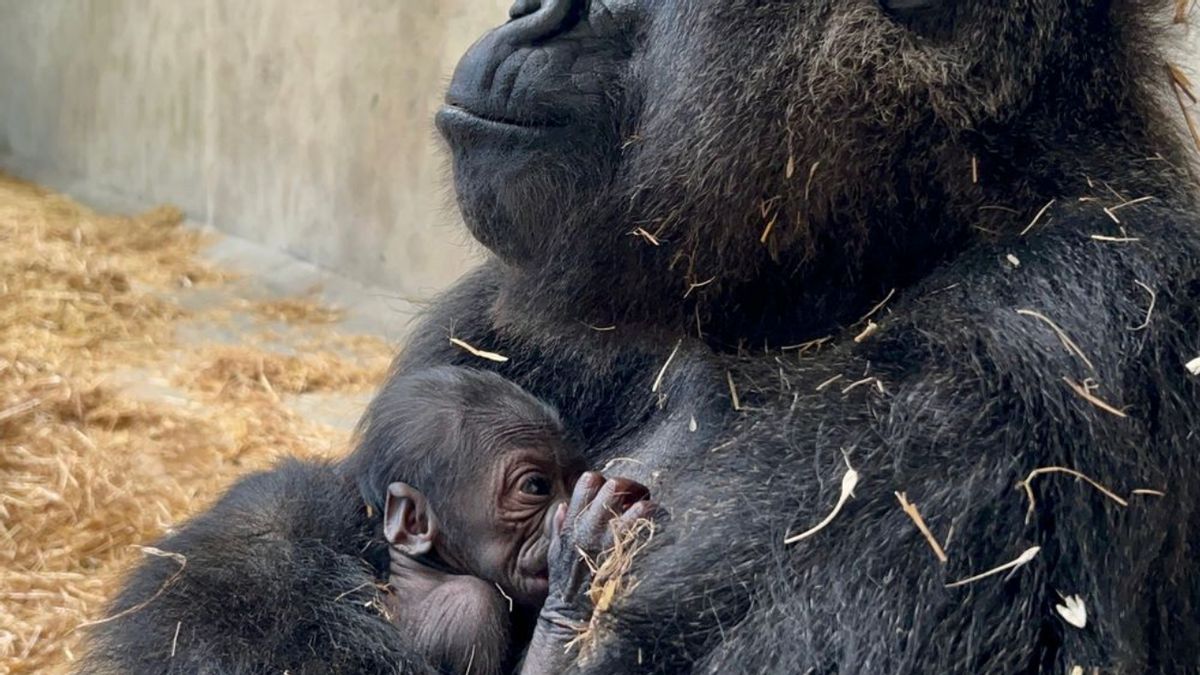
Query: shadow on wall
x,y
303,125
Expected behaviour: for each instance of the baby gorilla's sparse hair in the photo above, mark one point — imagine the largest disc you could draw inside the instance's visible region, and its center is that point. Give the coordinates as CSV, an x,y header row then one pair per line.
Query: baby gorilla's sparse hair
x,y
439,427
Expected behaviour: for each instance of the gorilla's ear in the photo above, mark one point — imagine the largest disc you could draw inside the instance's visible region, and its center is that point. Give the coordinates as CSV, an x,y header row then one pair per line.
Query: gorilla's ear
x,y
409,523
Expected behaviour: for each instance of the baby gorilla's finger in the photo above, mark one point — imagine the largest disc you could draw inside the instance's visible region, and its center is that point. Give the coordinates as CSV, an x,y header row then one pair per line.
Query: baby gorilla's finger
x,y
629,492
560,518
583,495
643,510
591,528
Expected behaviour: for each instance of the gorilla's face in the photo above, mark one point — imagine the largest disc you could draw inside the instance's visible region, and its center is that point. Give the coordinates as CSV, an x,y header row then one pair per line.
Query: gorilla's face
x,y
532,116
621,153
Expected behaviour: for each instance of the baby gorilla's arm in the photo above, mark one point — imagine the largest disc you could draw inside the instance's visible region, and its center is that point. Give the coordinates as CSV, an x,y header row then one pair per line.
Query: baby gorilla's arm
x,y
463,626
600,509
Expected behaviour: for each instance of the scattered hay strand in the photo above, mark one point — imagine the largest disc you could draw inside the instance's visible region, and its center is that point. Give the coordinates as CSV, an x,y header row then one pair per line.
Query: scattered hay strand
x,y
1073,611
1114,240
1062,336
658,379
870,329
974,170
645,234
1028,488
696,285
157,552
911,509
878,306
601,329
733,391
807,346
812,173
1182,86
474,351
175,638
766,233
828,382
1131,202
858,383
1149,493
1149,310
849,481
1037,217
1021,560
506,596
611,580
1088,396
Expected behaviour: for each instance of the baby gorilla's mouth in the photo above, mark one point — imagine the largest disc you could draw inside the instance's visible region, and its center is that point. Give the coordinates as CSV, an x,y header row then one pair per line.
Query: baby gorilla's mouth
x,y
534,570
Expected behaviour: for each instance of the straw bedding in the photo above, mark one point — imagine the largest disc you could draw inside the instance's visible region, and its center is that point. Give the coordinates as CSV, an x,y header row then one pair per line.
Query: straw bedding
x,y
90,470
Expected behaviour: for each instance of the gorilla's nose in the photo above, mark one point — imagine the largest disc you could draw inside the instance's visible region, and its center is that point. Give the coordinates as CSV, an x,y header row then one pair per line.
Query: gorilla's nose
x,y
522,8
534,20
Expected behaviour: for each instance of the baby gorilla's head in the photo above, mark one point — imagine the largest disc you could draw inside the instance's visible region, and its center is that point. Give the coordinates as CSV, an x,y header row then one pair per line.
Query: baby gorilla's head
x,y
480,494
467,469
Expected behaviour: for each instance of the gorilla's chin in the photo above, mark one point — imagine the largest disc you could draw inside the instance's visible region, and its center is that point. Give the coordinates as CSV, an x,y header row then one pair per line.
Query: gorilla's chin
x,y
495,166
529,120
517,184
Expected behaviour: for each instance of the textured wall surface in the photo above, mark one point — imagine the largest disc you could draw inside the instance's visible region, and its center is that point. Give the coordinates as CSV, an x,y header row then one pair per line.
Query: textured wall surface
x,y
302,124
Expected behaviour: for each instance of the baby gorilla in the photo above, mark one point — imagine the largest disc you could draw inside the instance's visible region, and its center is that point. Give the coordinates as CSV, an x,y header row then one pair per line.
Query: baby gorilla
x,y
486,510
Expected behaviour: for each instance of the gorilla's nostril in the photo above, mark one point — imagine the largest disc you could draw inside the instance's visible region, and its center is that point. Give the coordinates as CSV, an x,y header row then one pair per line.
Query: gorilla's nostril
x,y
522,8
534,20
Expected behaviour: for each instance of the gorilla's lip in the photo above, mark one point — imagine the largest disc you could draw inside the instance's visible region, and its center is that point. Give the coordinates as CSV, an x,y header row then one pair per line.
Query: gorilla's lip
x,y
452,113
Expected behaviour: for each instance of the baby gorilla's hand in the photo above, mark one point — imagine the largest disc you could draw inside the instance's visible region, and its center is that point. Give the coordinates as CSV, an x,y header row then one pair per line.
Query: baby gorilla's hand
x,y
600,511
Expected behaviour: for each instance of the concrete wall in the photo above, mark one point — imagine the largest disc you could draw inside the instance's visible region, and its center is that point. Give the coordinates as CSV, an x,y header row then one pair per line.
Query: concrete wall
x,y
302,124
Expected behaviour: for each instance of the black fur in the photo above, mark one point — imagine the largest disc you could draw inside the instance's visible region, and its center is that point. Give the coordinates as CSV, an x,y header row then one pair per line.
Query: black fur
x,y
848,135
282,574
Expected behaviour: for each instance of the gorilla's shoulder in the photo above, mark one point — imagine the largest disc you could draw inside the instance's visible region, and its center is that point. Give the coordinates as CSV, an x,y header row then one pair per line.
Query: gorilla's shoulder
x,y
276,576
297,503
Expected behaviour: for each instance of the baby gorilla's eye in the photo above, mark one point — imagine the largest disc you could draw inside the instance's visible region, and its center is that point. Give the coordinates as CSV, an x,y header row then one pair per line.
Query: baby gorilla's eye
x,y
536,485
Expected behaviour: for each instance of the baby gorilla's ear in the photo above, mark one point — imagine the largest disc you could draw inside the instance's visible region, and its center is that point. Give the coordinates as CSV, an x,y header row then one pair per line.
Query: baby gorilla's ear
x,y
409,523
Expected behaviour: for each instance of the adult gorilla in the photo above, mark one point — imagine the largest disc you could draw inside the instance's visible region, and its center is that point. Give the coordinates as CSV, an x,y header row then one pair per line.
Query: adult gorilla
x,y
678,193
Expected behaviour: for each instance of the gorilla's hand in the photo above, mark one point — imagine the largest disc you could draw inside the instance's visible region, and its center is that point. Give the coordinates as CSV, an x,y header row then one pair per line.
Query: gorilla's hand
x,y
601,510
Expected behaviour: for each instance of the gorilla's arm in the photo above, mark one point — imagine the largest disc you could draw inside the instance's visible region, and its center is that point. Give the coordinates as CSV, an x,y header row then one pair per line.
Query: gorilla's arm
x,y
271,579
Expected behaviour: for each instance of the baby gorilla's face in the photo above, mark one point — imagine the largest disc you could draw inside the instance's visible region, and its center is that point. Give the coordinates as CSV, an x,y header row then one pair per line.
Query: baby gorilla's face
x,y
502,530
